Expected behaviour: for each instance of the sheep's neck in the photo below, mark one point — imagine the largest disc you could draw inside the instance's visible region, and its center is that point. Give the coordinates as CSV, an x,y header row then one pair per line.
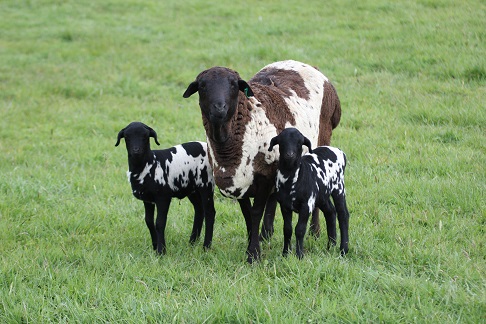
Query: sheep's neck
x,y
224,153
289,170
138,165
229,153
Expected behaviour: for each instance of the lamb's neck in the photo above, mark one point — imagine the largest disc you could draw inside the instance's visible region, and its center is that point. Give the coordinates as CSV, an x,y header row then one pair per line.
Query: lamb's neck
x,y
138,165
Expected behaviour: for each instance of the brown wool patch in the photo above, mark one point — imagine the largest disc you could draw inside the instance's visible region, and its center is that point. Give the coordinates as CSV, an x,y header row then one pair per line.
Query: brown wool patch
x,y
283,80
262,167
274,105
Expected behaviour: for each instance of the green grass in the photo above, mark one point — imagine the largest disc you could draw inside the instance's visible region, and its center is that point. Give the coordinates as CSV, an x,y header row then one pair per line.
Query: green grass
x,y
411,76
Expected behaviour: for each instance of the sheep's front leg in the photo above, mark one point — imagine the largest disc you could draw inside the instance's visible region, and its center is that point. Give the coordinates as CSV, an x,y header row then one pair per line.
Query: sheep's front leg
x,y
343,218
149,220
269,218
300,230
245,206
162,210
256,217
287,229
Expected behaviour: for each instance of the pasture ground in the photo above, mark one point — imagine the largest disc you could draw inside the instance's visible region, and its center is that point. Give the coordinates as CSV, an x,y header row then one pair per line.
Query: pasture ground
x,y
411,76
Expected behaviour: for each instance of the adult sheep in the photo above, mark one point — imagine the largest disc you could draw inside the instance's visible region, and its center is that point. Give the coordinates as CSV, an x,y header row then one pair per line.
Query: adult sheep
x,y
240,119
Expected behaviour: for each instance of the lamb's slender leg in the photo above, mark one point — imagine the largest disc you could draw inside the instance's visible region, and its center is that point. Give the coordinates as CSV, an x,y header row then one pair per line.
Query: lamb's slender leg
x,y
198,216
300,230
149,220
315,226
343,218
162,210
330,215
287,229
209,216
269,218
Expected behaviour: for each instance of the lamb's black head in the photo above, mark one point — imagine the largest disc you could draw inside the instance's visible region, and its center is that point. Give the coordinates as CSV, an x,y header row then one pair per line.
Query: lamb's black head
x,y
218,89
137,138
290,142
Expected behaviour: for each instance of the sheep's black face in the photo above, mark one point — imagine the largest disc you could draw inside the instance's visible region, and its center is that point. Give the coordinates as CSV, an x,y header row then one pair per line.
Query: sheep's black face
x,y
218,90
290,152
137,141
218,99
290,142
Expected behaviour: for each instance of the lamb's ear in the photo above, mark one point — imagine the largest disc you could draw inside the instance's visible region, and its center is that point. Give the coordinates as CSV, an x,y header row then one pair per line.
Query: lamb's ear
x,y
121,134
308,144
191,89
153,134
245,88
273,142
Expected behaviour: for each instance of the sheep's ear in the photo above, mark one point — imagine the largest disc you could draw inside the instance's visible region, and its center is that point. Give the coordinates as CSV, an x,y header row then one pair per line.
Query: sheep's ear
x,y
273,142
308,144
153,134
121,134
245,88
191,89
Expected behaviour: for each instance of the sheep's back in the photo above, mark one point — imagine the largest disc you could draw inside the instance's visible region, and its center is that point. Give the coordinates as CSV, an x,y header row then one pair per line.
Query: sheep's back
x,y
291,93
330,164
183,167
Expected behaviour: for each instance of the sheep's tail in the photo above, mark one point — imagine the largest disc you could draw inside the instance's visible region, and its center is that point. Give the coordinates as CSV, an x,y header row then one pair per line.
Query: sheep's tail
x,y
335,104
330,114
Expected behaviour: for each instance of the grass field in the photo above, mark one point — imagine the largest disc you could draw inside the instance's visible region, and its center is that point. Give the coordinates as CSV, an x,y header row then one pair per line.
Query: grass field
x,y
411,76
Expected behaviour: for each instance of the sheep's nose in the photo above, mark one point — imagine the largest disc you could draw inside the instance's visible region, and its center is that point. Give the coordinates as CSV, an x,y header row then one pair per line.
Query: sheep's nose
x,y
219,106
290,154
218,112
219,109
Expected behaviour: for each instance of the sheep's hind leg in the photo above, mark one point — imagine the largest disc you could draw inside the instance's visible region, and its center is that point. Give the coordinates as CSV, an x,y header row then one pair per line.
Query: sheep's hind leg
x,y
198,216
315,226
343,218
330,216
209,216
269,218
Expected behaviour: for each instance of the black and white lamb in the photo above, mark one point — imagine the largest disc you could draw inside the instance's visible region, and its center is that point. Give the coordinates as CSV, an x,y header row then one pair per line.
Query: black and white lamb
x,y
307,181
158,176
241,118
